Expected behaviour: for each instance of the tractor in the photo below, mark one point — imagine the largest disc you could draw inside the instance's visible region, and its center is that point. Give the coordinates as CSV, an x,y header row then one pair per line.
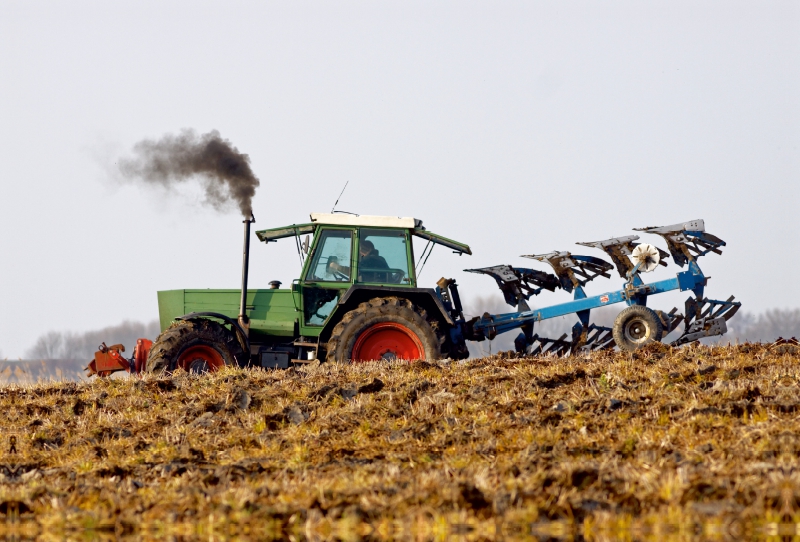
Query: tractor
x,y
346,305
357,299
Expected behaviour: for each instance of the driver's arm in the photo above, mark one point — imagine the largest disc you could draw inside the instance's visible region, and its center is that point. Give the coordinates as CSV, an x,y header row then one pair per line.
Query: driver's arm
x,y
336,266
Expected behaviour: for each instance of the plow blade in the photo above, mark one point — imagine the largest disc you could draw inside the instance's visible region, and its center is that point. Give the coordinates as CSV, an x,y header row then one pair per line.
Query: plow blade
x,y
620,249
541,346
687,241
592,338
598,338
700,329
670,320
711,308
518,284
574,271
706,318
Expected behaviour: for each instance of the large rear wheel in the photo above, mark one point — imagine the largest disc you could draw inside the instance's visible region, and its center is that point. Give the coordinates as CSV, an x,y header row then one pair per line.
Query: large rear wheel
x,y
196,346
385,328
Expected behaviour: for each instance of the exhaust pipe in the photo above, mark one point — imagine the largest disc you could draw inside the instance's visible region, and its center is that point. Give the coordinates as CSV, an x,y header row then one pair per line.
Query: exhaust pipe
x,y
244,321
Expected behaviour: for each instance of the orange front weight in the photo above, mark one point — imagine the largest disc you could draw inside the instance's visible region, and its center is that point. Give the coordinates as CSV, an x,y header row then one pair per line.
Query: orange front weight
x,y
108,360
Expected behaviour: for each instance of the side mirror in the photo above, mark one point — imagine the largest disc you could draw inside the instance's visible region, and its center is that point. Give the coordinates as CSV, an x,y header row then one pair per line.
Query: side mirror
x,y
306,244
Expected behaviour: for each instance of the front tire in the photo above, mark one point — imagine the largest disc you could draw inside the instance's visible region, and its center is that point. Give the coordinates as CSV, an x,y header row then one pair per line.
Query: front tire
x,y
637,326
196,346
385,328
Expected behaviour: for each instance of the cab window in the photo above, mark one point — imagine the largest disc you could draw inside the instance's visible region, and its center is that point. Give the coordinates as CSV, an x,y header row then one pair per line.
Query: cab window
x,y
334,247
383,257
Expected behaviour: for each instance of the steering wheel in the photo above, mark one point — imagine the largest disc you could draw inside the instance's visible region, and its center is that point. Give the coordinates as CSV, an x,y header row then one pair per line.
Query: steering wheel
x,y
337,275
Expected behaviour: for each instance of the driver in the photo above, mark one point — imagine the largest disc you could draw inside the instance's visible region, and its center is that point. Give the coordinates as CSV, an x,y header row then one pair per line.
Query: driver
x,y
370,262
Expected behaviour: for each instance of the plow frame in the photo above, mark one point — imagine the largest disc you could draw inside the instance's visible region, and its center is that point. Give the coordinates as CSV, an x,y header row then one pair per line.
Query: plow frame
x,y
634,292
704,317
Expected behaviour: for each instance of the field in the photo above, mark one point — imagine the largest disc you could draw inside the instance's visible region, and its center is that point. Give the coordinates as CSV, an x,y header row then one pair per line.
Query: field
x,y
698,442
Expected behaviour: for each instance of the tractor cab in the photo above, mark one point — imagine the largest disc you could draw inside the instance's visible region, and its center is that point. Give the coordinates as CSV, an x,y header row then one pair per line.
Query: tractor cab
x,y
346,253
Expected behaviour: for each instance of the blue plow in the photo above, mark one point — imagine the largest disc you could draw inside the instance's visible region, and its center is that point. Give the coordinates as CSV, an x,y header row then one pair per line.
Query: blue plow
x,y
637,324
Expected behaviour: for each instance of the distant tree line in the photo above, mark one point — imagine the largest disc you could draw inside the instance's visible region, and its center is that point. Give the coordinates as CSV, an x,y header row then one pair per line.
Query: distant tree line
x,y
764,327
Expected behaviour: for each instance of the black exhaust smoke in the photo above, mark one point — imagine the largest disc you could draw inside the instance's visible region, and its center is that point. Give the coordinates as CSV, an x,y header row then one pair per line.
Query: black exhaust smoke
x,y
224,172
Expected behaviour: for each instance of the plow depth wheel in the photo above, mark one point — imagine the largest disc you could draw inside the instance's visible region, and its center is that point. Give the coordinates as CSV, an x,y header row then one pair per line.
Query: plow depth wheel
x,y
637,326
384,328
388,341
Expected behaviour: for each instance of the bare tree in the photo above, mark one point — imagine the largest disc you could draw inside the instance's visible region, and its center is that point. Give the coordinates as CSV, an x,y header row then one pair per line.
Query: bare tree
x,y
51,345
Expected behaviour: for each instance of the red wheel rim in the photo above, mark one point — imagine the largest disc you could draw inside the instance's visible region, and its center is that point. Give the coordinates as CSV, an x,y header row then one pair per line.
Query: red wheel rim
x,y
200,358
387,341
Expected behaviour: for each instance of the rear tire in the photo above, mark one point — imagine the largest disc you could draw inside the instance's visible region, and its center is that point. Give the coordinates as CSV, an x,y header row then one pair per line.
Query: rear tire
x,y
385,328
196,346
637,326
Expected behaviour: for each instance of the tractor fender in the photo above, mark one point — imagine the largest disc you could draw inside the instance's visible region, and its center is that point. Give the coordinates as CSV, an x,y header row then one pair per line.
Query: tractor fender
x,y
244,340
422,297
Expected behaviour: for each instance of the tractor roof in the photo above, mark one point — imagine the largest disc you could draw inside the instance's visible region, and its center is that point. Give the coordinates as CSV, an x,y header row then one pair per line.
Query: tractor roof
x,y
346,219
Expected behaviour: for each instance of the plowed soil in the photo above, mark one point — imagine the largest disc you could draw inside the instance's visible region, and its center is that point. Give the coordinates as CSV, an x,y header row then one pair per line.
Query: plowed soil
x,y
660,443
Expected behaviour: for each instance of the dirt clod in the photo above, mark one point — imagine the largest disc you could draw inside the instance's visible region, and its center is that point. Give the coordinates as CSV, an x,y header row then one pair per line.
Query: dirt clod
x,y
373,387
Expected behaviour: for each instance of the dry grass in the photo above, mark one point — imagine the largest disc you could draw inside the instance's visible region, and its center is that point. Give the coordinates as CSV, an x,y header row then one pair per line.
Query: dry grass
x,y
662,441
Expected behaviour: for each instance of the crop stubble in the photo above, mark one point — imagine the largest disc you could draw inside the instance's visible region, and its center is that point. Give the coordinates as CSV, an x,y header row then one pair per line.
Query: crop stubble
x,y
692,436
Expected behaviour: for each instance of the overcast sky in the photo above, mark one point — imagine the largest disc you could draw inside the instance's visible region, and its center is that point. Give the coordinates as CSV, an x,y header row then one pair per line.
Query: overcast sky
x,y
516,127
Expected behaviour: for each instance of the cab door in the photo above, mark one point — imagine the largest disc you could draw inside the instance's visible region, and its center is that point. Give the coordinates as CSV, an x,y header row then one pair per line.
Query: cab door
x,y
385,257
324,283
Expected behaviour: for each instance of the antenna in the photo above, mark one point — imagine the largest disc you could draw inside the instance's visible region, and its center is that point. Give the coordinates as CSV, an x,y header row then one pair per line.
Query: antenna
x,y
340,195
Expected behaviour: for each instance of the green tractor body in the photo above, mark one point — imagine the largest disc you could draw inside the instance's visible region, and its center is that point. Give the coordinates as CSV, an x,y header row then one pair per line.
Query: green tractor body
x,y
272,312
350,262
